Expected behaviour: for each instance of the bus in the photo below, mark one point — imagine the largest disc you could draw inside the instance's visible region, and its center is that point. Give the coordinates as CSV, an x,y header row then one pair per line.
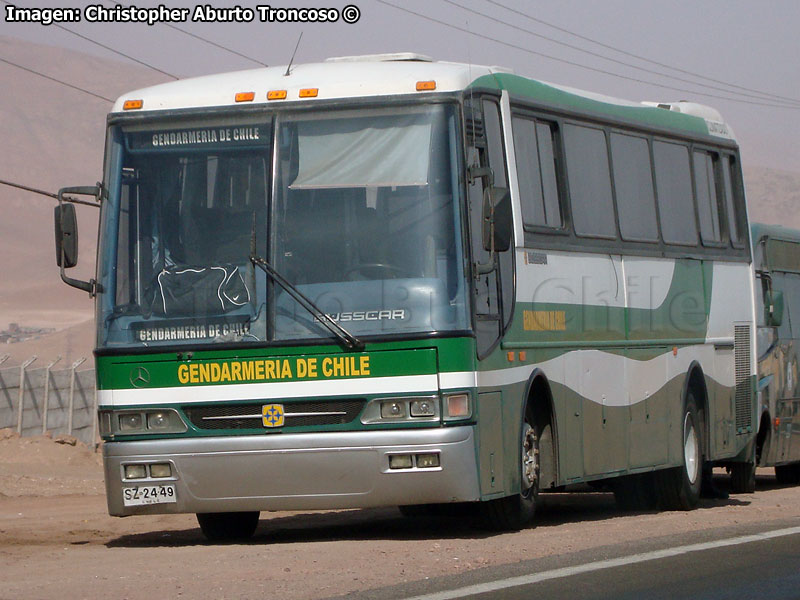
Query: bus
x,y
776,253
386,280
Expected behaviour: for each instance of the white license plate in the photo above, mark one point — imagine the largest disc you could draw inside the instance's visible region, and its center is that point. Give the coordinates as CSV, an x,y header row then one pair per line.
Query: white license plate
x,y
148,494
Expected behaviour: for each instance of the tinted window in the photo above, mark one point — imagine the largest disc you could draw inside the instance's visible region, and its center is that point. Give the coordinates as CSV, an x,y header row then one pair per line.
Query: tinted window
x,y
633,182
589,181
706,193
536,171
674,187
728,166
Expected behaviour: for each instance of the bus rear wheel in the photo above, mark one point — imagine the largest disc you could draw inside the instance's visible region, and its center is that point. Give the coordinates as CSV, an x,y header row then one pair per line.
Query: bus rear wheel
x,y
228,527
679,488
514,512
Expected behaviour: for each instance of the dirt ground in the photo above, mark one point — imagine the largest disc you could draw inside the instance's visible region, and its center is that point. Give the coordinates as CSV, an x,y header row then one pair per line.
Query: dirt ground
x,y
57,541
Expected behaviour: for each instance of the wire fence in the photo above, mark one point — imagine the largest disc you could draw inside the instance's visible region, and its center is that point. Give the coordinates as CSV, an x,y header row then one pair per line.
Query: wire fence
x,y
34,401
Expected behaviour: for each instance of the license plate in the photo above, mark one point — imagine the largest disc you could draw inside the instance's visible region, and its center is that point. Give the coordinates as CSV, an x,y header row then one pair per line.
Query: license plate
x,y
148,494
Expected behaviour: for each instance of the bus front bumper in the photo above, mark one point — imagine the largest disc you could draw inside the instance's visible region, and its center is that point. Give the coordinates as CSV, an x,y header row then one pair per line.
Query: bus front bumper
x,y
294,471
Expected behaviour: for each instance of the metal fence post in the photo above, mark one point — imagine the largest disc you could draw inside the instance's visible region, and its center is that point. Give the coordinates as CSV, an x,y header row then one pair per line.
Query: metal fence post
x,y
47,393
22,368
75,365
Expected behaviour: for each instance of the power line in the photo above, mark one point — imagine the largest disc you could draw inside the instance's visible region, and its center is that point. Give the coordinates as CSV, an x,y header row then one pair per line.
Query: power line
x,y
636,56
74,87
579,65
758,95
202,39
109,48
48,194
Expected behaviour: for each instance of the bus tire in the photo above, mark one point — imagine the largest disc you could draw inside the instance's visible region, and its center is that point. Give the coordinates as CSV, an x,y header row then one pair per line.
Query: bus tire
x,y
229,526
787,474
743,477
635,492
514,512
679,488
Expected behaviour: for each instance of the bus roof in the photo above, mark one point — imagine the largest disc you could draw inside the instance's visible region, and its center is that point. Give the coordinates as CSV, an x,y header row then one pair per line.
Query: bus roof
x,y
399,74
777,232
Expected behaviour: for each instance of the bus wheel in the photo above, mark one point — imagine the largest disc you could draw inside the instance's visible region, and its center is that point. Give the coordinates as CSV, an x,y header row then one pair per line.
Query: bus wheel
x,y
679,488
228,527
743,478
787,474
514,512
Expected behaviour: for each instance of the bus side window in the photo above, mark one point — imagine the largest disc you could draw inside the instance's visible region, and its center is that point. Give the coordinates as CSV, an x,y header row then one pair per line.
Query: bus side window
x,y
705,164
674,192
633,182
589,177
536,171
731,197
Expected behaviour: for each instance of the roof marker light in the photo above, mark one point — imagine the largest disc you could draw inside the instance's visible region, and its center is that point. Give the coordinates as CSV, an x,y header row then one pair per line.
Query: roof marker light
x,y
132,104
245,96
426,86
276,95
309,92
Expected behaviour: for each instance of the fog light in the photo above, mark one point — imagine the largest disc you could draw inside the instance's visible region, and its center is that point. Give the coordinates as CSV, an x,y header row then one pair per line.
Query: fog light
x,y
158,420
135,471
161,470
130,421
422,408
458,406
426,461
400,461
393,410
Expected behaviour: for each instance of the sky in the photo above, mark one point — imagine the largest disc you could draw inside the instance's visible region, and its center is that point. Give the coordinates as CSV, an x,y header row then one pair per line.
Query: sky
x,y
752,45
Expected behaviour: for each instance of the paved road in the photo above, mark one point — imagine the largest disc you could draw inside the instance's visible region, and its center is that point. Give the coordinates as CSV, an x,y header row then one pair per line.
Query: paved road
x,y
731,563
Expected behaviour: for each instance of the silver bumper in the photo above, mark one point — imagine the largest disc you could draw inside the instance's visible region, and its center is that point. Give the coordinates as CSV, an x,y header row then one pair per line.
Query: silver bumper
x,y
298,471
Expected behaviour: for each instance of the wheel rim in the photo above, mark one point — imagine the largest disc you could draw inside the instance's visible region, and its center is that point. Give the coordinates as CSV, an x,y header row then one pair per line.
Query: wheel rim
x,y
530,459
691,449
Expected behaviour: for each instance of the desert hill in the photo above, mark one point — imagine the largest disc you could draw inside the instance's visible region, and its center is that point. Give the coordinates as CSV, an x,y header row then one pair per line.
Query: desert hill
x,y
53,137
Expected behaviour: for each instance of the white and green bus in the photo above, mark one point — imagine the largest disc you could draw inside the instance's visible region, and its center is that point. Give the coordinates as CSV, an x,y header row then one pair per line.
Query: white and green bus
x,y
391,281
776,253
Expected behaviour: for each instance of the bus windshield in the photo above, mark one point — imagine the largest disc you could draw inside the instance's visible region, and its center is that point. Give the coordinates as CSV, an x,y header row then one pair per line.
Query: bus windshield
x,y
357,209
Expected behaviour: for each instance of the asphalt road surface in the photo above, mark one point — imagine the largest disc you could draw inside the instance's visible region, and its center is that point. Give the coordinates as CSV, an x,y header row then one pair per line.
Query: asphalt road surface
x,y
762,564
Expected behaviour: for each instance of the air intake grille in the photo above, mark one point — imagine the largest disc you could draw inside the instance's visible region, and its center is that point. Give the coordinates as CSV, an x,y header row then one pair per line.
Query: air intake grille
x,y
744,392
296,414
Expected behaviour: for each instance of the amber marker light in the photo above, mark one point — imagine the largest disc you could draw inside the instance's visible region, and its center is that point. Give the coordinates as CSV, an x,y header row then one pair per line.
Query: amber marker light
x,y
276,95
245,96
426,86
132,104
309,93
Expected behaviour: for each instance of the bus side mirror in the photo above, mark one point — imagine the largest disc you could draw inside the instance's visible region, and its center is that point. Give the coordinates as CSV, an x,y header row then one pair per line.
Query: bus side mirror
x,y
497,219
66,230
773,307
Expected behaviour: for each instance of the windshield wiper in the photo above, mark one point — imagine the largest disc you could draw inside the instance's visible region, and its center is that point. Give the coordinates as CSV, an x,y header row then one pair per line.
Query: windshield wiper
x,y
347,338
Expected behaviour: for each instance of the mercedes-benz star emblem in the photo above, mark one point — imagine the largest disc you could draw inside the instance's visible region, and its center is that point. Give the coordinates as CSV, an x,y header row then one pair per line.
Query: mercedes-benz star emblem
x,y
139,377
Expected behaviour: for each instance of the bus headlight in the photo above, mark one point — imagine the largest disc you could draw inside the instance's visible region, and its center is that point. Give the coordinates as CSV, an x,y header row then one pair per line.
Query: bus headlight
x,y
128,422
423,408
412,409
393,409
158,420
